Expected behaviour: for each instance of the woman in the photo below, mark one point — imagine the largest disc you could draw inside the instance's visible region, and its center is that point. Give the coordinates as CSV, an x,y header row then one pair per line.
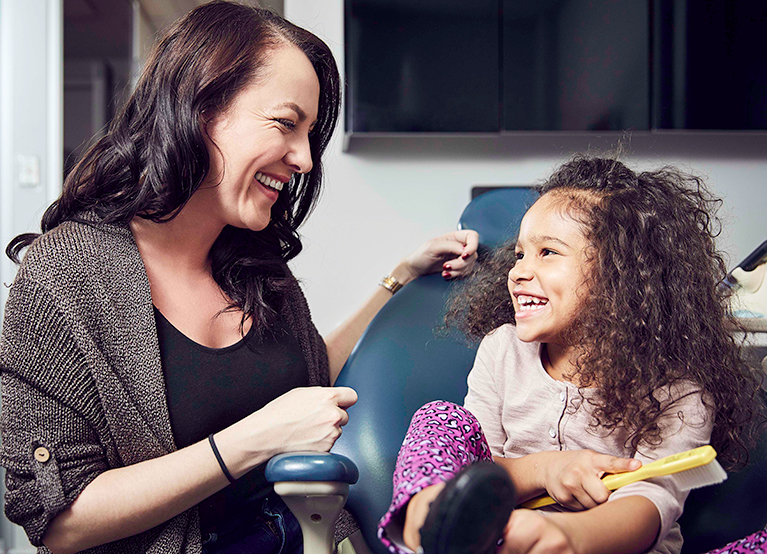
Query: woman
x,y
155,347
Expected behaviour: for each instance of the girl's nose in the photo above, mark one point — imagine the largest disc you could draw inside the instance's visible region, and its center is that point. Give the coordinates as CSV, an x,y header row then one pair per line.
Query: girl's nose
x,y
520,272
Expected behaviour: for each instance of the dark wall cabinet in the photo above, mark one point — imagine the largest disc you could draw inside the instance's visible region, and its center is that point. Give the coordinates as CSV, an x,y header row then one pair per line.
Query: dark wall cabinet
x,y
490,66
711,65
423,65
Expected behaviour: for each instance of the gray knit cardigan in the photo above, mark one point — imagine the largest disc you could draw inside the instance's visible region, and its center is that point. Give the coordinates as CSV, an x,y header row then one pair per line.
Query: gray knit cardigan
x,y
81,377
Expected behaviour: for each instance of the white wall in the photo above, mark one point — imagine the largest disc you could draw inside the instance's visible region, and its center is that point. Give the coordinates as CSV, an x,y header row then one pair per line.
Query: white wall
x,y
30,117
30,133
386,196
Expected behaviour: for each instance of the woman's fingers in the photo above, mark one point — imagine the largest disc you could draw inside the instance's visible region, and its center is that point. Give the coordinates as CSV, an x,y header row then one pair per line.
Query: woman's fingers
x,y
345,396
453,254
309,418
470,240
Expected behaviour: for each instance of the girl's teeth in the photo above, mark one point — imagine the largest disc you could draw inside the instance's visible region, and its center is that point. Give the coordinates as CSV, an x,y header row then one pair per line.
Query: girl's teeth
x,y
268,181
531,302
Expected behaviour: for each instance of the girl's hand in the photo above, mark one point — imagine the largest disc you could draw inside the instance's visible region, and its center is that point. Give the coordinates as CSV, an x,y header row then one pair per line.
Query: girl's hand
x,y
415,515
574,478
529,532
453,254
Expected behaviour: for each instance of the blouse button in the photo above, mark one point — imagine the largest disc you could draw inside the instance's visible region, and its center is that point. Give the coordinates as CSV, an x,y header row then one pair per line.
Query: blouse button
x,y
42,454
562,396
552,432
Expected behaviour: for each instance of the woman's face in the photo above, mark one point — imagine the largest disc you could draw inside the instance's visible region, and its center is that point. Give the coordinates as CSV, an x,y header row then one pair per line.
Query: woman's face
x,y
261,140
547,281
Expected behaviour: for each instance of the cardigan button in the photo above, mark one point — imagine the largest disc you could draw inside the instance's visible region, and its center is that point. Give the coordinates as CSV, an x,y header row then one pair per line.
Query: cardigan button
x,y
42,454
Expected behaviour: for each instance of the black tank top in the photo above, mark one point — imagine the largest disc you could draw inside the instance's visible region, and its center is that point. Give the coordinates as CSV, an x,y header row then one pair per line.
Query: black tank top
x,y
209,389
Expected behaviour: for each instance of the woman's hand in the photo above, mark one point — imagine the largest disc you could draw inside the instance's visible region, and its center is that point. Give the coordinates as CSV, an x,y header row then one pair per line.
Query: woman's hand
x,y
310,418
453,254
574,478
303,419
529,532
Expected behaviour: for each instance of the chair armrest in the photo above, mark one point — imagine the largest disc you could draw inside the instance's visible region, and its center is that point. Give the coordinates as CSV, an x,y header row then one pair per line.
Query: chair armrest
x,y
311,466
315,486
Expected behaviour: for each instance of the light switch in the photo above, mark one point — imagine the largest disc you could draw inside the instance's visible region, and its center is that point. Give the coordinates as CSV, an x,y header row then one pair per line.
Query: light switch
x,y
28,167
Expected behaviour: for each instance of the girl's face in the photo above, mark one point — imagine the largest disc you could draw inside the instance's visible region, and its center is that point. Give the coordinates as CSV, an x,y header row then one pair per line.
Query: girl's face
x,y
547,281
261,140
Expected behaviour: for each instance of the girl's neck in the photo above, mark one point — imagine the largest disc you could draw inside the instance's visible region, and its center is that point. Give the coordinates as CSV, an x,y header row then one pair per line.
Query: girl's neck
x,y
560,362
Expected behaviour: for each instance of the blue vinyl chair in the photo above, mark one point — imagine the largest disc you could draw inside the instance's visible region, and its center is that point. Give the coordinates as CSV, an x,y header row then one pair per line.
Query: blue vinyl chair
x,y
401,362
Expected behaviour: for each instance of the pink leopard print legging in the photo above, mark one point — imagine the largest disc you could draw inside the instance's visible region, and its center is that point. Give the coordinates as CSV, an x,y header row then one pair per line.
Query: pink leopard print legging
x,y
752,544
442,438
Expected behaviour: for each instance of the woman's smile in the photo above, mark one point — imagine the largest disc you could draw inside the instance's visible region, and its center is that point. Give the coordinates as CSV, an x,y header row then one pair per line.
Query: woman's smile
x,y
269,182
259,142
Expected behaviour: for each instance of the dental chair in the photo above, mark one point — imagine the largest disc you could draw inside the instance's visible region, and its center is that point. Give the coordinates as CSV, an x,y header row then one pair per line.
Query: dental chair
x,y
401,362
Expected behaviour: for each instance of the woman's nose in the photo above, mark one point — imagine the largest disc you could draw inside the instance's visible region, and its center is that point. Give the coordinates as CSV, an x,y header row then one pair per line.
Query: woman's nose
x,y
299,157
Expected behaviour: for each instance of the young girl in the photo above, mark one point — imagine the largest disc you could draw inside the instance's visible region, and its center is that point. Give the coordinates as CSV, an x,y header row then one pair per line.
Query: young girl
x,y
607,346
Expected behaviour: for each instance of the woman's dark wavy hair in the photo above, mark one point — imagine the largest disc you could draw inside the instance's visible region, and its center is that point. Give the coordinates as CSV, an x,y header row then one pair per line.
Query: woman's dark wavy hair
x,y
153,157
656,314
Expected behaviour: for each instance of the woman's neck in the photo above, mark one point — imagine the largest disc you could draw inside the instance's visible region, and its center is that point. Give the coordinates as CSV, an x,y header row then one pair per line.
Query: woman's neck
x,y
184,242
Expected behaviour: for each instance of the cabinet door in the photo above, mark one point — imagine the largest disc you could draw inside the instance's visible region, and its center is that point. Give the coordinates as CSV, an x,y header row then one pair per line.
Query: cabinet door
x,y
713,64
422,65
576,65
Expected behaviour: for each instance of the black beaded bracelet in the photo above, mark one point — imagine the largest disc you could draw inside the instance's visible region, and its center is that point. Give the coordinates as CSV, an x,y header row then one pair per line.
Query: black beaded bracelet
x,y
220,460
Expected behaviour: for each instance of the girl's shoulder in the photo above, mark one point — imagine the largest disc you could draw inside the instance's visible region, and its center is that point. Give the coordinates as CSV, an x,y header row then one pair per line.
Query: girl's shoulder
x,y
504,342
505,332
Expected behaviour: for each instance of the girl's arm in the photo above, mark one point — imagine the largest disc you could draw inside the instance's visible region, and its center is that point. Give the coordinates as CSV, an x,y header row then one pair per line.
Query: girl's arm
x,y
126,501
457,249
625,526
572,478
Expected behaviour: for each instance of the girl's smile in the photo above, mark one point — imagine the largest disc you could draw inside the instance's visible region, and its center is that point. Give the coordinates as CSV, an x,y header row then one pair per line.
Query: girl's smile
x,y
546,283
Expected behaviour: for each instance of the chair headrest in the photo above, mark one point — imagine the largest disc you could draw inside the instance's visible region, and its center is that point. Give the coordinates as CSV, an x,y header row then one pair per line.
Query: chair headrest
x,y
496,214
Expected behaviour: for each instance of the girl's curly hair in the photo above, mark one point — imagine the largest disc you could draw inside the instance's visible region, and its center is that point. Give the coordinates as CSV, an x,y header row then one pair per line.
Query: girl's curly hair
x,y
656,313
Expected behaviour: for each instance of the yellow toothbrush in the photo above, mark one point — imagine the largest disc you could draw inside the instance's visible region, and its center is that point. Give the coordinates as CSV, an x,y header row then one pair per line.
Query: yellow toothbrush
x,y
694,469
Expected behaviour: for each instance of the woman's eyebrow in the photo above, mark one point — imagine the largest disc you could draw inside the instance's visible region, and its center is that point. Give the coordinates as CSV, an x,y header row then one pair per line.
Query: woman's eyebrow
x,y
296,108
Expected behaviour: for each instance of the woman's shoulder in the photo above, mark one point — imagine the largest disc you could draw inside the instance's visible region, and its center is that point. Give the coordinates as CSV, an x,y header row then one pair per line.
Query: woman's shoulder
x,y
74,247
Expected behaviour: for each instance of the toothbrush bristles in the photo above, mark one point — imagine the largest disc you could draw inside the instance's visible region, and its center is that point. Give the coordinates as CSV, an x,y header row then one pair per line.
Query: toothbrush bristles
x,y
703,476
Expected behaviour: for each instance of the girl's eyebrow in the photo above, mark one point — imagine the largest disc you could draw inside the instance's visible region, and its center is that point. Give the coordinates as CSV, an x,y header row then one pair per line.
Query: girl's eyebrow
x,y
547,238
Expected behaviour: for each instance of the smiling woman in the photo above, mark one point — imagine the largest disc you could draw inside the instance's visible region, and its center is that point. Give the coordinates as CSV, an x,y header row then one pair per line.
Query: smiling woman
x,y
260,142
156,349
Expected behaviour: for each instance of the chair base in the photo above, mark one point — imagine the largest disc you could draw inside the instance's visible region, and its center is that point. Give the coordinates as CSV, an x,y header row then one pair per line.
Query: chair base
x,y
316,505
